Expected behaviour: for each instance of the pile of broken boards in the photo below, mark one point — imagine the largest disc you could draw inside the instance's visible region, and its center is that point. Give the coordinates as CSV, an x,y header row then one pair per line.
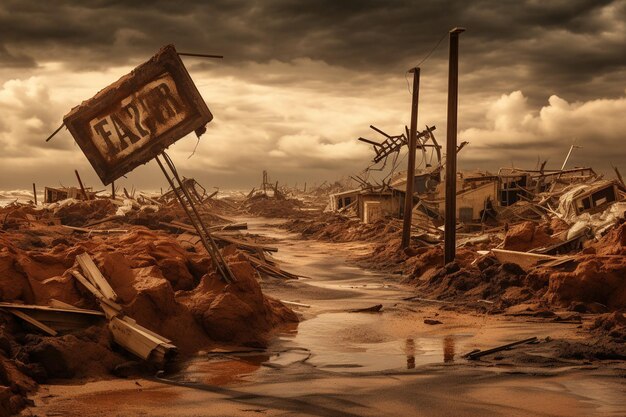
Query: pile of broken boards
x,y
106,216
125,331
142,292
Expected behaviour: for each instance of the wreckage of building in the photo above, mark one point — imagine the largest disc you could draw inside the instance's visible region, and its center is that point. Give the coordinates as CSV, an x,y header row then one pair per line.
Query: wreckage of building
x,y
52,194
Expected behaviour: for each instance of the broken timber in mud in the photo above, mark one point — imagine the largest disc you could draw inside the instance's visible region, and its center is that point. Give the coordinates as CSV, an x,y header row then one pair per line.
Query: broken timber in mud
x,y
126,332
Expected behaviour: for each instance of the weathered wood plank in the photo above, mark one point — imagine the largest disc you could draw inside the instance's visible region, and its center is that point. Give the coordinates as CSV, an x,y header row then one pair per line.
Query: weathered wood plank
x,y
95,276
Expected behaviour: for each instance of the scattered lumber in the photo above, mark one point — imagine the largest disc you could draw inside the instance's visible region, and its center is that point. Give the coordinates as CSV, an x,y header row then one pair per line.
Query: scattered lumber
x,y
268,269
86,230
95,276
105,220
141,341
52,320
525,260
138,340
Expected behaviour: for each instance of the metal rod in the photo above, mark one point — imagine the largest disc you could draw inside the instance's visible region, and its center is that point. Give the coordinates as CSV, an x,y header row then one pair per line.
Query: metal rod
x,y
202,230
410,173
200,55
82,188
571,148
371,142
35,193
453,98
193,222
55,132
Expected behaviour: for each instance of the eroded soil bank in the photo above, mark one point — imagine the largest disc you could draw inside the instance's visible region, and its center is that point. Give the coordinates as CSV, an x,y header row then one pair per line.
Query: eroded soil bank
x,y
342,363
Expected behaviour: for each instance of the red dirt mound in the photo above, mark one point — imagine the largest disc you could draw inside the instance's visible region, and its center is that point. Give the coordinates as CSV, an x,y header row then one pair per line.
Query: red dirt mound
x,y
528,235
596,279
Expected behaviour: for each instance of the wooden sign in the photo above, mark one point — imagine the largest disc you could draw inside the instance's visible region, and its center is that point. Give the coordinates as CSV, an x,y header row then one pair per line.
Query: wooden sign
x,y
134,119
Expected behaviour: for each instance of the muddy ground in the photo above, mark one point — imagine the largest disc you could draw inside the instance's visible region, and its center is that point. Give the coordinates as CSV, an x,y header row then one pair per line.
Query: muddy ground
x,y
341,363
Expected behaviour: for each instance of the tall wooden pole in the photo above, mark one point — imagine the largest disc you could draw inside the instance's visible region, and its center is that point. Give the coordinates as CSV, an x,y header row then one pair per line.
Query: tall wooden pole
x,y
35,193
410,172
453,98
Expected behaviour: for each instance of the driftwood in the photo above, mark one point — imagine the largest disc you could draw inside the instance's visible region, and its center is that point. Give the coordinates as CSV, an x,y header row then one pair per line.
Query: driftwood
x,y
480,353
372,309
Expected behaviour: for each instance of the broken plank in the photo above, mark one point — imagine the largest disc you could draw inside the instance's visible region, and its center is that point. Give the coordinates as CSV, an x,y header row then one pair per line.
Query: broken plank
x,y
109,307
85,230
140,341
55,318
105,220
33,322
525,260
94,275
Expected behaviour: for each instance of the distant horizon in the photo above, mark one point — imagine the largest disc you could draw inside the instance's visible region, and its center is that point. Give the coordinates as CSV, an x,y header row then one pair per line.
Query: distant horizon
x,y
299,85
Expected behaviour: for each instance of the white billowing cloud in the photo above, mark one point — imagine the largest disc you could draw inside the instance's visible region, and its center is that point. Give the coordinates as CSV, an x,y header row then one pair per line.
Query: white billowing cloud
x,y
26,111
304,145
266,116
300,120
515,132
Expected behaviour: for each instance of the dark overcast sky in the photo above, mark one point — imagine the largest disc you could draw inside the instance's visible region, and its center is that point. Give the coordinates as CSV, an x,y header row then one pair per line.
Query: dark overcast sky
x,y
303,79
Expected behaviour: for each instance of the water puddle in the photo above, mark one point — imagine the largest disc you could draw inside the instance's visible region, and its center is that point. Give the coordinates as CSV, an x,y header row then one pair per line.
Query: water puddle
x,y
334,340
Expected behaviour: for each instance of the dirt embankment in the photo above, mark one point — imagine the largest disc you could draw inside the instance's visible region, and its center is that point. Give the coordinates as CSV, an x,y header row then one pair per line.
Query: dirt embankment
x,y
337,228
264,206
591,280
170,290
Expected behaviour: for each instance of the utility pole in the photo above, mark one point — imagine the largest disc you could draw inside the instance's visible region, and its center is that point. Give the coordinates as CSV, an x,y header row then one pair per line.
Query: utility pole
x,y
453,99
410,173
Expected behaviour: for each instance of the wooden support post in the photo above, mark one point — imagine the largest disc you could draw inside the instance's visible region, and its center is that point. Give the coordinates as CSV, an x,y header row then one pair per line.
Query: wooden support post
x,y
112,190
617,173
410,173
453,98
35,193
82,188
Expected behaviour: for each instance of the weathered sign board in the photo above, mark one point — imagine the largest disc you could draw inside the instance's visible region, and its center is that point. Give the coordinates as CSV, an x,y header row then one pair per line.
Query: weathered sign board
x,y
134,119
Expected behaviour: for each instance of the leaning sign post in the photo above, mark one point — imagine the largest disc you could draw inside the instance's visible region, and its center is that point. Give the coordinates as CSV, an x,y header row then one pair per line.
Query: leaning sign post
x,y
134,120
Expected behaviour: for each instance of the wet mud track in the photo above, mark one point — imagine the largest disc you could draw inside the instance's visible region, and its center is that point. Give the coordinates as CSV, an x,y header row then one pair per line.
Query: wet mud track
x,y
340,363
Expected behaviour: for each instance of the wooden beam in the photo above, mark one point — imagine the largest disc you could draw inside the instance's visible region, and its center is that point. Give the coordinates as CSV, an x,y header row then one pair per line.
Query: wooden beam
x,y
34,322
94,275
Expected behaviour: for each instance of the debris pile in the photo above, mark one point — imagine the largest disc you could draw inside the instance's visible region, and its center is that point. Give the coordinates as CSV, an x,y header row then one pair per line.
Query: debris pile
x,y
552,237
82,279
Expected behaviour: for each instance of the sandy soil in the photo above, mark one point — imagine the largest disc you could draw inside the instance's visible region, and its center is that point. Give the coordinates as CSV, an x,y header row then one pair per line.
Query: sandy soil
x,y
337,363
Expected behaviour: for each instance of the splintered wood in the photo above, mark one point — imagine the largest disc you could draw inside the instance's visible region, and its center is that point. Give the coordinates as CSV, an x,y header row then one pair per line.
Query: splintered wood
x,y
126,332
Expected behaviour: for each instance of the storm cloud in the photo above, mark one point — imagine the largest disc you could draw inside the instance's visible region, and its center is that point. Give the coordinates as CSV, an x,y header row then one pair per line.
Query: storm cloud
x,y
302,80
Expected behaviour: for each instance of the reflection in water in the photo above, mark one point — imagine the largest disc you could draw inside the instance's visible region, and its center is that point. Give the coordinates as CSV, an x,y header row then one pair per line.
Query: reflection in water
x,y
222,369
448,349
409,349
